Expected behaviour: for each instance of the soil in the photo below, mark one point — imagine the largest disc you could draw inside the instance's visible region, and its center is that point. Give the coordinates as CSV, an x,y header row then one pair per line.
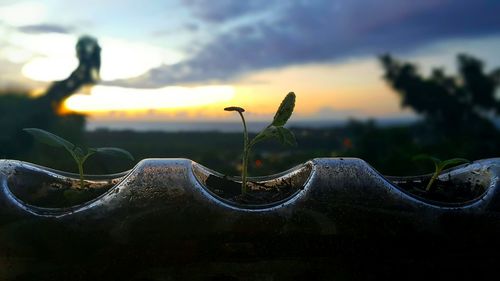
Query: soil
x,y
258,192
43,190
447,191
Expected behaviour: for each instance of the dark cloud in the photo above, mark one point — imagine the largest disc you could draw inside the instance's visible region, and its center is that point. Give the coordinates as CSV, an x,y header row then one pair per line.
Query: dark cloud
x,y
186,27
326,30
45,28
223,10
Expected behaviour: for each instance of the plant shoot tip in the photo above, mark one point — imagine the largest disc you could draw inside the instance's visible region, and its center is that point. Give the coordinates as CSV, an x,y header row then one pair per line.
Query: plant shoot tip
x,y
234,108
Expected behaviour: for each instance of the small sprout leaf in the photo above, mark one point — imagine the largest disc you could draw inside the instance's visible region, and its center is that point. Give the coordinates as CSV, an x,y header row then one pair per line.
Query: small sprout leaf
x,y
426,157
113,151
439,166
286,136
80,154
284,111
49,138
234,108
268,133
453,162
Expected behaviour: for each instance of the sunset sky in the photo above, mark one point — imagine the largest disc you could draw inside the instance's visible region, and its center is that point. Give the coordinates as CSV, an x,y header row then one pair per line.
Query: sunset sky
x,y
184,60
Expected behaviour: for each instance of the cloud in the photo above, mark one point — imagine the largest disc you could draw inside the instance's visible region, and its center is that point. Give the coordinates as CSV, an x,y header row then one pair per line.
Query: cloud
x,y
45,28
321,31
223,10
191,27
23,13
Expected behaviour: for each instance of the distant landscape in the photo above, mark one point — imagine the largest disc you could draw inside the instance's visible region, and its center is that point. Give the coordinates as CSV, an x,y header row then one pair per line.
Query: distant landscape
x,y
231,126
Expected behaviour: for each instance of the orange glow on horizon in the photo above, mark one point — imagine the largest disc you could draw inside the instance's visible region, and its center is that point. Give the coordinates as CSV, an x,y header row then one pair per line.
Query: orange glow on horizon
x,y
324,91
111,98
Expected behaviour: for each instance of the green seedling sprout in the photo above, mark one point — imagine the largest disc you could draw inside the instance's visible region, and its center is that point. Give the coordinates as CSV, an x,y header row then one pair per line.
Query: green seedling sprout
x,y
80,155
274,130
439,166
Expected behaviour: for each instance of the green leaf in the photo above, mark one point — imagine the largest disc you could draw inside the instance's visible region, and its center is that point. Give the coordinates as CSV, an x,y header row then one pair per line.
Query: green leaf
x,y
437,162
79,153
284,111
113,151
268,133
286,136
234,108
49,138
453,162
426,157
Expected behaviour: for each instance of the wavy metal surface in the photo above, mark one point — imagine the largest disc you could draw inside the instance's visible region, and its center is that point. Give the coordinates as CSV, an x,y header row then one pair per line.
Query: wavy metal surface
x,y
336,190
160,218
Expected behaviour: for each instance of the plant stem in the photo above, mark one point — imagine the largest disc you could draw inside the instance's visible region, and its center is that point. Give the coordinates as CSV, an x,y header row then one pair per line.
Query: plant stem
x,y
80,171
245,171
431,181
246,150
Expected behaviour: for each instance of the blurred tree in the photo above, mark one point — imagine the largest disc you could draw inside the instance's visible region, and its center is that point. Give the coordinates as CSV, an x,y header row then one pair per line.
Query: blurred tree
x,y
88,53
452,106
18,111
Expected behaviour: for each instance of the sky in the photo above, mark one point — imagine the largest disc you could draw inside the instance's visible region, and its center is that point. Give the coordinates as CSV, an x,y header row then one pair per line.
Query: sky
x,y
185,60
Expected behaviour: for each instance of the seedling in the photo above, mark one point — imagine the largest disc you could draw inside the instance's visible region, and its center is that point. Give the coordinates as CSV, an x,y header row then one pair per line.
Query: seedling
x,y
273,130
80,155
439,166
